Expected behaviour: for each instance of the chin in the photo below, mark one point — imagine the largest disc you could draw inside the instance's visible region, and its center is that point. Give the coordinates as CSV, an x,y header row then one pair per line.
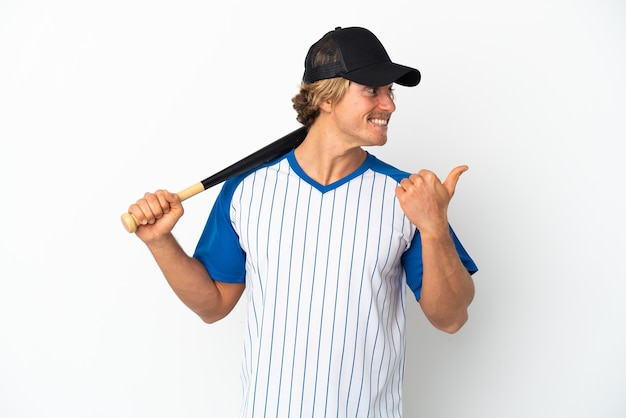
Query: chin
x,y
382,140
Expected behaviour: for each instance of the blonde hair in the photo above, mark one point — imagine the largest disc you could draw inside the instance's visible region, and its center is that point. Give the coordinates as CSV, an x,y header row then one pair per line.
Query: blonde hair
x,y
307,101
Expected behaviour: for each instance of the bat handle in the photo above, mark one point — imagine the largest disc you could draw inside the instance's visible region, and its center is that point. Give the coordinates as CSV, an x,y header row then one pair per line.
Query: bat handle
x,y
130,222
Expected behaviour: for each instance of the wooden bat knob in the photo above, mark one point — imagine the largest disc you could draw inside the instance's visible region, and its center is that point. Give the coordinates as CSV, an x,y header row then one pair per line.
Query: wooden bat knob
x,y
129,222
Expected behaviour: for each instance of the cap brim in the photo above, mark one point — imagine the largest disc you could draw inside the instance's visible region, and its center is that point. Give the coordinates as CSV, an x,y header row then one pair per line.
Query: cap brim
x,y
385,73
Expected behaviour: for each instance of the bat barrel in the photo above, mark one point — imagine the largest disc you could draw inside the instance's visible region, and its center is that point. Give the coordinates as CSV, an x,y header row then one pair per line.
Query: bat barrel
x,y
264,155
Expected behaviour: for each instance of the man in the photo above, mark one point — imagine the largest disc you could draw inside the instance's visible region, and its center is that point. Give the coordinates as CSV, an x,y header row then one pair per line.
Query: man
x,y
324,241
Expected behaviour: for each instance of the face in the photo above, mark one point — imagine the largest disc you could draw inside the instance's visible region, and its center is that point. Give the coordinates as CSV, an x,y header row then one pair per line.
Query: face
x,y
363,113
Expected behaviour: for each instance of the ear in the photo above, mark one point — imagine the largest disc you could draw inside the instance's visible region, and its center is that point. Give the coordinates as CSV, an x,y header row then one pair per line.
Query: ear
x,y
326,106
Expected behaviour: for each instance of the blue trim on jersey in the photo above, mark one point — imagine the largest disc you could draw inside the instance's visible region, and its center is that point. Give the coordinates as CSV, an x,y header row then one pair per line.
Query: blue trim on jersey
x,y
220,252
387,169
412,261
369,160
218,248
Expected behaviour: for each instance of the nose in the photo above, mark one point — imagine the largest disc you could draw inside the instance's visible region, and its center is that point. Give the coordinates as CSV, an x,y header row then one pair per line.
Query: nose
x,y
386,103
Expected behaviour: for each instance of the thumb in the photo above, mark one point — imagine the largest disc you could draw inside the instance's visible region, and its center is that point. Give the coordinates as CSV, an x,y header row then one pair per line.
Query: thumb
x,y
453,178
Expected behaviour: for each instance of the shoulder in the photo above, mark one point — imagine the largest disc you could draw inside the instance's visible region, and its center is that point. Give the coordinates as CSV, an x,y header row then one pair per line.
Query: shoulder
x,y
234,182
387,169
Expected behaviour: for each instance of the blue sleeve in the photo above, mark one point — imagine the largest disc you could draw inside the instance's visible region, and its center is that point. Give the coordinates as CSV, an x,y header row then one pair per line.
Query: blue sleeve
x,y
412,262
218,247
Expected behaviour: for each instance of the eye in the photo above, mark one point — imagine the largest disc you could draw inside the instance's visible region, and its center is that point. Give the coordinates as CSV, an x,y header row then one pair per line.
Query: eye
x,y
375,91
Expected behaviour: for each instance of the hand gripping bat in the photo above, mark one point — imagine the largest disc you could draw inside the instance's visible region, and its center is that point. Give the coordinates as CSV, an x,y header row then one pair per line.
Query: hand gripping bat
x,y
274,150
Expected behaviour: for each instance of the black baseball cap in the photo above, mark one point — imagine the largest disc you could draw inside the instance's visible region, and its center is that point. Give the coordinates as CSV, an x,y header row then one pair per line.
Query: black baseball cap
x,y
356,54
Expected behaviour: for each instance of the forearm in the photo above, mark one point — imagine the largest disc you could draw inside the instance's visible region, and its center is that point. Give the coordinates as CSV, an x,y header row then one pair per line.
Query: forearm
x,y
447,287
190,280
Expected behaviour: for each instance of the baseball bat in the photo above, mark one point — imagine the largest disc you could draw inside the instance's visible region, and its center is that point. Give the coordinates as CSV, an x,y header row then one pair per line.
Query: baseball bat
x,y
268,153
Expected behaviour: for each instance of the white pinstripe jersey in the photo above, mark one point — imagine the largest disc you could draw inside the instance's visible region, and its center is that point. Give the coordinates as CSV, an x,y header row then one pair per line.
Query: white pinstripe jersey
x,y
326,270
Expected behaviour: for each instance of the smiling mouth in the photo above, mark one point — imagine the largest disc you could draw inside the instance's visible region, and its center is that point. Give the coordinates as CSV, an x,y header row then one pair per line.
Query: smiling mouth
x,y
379,122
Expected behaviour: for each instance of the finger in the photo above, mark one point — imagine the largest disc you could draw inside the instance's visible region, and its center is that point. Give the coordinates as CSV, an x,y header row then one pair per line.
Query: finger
x,y
453,178
165,199
405,183
137,212
426,175
154,208
400,192
141,211
173,198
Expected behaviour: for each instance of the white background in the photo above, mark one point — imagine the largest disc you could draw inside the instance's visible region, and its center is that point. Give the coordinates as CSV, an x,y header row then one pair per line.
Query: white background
x,y
101,101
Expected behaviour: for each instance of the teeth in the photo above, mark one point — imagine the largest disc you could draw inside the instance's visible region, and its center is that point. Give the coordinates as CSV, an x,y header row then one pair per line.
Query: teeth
x,y
380,122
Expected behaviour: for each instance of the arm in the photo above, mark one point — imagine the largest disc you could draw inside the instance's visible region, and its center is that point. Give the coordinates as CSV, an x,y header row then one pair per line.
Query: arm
x,y
447,287
157,214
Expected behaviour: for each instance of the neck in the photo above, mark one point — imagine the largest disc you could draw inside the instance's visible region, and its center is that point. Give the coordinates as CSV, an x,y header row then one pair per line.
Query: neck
x,y
327,157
